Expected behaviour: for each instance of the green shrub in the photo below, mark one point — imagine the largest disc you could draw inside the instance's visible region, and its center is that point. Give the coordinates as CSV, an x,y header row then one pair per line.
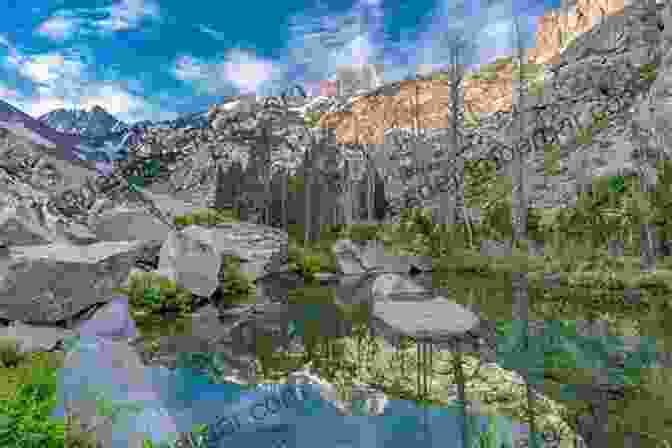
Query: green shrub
x,y
600,120
151,168
567,39
308,262
150,292
361,232
648,72
441,77
483,75
25,416
584,136
551,159
206,217
10,352
312,118
503,61
233,281
295,184
537,88
471,119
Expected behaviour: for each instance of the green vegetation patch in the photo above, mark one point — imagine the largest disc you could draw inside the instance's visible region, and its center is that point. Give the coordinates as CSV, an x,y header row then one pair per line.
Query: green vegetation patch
x,y
234,282
567,39
206,217
471,119
312,118
551,159
648,72
150,293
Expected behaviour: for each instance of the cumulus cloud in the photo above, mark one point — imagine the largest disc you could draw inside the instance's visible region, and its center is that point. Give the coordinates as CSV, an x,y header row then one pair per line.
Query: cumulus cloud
x,y
128,14
321,42
120,16
59,27
63,80
238,69
49,67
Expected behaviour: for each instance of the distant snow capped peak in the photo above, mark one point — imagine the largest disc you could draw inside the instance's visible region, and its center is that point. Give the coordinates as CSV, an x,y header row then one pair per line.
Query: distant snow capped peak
x,y
94,123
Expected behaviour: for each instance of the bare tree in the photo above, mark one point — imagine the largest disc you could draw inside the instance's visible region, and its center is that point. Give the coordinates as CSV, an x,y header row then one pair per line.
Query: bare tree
x,y
519,218
455,79
284,178
519,199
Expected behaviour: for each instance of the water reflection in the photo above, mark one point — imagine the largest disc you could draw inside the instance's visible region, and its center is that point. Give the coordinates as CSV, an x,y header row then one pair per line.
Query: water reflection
x,y
315,322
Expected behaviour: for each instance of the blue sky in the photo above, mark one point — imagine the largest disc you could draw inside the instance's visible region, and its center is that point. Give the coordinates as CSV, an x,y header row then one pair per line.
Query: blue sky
x,y
148,59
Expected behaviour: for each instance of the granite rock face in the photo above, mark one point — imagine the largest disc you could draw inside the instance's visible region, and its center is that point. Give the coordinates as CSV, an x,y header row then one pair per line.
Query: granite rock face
x,y
54,283
194,257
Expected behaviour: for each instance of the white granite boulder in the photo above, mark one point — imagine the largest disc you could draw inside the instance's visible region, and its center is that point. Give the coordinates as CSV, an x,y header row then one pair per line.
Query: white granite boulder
x,y
348,257
391,286
32,338
54,283
193,257
437,320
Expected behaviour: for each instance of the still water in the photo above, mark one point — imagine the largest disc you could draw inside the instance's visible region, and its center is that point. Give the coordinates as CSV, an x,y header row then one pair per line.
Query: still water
x,y
298,313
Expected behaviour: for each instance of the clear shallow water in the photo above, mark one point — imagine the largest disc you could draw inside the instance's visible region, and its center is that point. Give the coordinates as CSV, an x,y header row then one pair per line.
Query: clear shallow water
x,y
188,398
183,398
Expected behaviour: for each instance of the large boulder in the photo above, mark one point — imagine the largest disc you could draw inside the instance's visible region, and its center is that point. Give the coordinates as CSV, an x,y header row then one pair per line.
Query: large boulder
x,y
392,286
348,257
436,320
194,256
124,224
135,222
32,338
54,283
374,258
19,227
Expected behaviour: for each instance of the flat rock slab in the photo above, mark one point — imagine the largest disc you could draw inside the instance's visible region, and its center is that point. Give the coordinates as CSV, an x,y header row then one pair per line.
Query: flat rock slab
x,y
33,338
129,224
20,227
374,257
435,319
54,283
348,257
396,287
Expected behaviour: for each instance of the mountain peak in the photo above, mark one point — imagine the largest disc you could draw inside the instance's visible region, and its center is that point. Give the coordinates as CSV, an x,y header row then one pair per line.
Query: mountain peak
x,y
98,109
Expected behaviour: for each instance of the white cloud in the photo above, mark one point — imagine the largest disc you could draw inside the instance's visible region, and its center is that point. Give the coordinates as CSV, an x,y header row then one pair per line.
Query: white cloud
x,y
120,16
217,35
359,51
49,67
63,81
59,27
239,69
321,42
128,14
4,41
247,72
